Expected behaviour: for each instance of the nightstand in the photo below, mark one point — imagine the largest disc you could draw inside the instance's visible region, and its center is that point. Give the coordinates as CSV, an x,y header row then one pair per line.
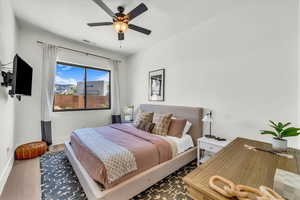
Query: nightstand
x,y
207,147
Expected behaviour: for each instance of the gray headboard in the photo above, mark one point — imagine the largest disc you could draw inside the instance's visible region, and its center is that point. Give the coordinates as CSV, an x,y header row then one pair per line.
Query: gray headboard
x,y
193,114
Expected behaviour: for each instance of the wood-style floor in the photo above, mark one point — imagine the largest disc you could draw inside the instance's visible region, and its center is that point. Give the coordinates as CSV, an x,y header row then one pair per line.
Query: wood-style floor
x,y
24,181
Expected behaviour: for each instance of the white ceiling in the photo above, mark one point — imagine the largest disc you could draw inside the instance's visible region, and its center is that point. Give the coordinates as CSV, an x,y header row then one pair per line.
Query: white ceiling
x,y
164,17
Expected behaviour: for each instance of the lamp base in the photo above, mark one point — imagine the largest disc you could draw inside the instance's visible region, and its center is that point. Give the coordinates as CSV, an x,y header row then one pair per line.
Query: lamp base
x,y
215,137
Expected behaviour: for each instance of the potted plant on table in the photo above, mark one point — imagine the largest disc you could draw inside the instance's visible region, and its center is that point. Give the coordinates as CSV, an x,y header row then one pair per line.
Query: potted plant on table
x,y
281,131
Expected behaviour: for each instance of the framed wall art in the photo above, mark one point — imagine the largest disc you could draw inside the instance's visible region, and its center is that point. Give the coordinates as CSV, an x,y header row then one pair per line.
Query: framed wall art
x,y
156,90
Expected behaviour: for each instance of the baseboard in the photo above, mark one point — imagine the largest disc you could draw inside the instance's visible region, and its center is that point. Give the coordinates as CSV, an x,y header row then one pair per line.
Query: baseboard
x,y
4,175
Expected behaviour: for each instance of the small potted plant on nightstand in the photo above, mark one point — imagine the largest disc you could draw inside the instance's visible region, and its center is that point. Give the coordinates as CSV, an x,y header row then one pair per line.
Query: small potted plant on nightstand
x,y
281,131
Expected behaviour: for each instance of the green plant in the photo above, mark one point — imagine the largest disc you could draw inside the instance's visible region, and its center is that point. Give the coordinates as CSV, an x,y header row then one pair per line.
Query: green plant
x,y
282,130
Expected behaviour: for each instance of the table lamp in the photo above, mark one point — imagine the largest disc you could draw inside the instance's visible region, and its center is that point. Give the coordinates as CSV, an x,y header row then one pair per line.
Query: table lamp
x,y
208,118
129,112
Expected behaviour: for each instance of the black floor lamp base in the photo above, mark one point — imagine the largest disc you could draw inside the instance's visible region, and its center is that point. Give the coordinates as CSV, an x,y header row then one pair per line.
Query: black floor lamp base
x,y
116,119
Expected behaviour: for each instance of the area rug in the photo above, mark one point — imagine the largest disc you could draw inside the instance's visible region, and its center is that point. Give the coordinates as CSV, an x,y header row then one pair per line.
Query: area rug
x,y
59,181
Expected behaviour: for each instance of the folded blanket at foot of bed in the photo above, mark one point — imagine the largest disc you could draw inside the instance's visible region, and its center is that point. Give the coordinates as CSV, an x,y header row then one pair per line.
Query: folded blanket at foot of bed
x,y
118,161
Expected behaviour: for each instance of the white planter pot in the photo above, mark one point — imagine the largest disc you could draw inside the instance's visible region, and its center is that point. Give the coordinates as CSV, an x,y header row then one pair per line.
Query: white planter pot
x,y
279,145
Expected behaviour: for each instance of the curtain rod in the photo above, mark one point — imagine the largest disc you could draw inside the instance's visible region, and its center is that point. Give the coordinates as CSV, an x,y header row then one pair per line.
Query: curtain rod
x,y
78,51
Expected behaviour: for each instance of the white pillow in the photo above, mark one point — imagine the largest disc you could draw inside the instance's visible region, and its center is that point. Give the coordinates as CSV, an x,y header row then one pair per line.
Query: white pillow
x,y
187,127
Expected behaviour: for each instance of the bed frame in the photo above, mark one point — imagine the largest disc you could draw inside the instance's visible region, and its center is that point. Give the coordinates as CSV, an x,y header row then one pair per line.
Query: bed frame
x,y
144,180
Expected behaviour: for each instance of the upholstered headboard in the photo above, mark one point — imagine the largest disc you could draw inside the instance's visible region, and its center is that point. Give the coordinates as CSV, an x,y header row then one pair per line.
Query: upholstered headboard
x,y
193,114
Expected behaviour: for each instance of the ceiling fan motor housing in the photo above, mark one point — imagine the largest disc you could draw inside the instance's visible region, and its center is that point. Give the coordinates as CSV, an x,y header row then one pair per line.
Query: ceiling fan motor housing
x,y
120,16
121,9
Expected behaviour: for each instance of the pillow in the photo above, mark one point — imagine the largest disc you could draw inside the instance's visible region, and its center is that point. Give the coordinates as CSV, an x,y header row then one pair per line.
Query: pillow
x,y
187,127
145,126
143,116
162,124
176,127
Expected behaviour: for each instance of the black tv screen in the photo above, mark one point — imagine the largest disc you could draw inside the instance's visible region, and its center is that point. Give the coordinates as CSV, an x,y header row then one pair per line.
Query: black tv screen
x,y
22,78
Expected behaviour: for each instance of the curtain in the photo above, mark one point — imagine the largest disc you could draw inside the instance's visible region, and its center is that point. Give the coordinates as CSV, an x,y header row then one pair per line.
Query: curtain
x,y
48,79
116,107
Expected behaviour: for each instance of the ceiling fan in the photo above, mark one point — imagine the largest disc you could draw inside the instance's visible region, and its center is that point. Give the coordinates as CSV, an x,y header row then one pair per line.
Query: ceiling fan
x,y
120,21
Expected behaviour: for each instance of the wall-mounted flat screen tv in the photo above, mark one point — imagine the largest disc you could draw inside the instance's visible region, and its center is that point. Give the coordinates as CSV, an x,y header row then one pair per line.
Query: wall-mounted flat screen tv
x,y
22,77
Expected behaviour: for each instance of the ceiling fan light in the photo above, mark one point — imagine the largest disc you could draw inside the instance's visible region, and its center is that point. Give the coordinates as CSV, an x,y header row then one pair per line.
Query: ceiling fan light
x,y
120,26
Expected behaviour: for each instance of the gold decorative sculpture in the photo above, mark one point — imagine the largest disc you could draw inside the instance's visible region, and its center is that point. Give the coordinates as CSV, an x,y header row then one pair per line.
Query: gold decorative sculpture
x,y
242,192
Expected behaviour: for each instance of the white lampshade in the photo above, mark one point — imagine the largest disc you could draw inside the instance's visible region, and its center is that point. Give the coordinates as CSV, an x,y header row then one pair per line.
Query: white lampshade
x,y
207,118
128,110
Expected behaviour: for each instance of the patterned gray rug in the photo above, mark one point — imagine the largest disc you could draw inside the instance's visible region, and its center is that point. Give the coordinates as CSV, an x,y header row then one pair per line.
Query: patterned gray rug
x,y
59,182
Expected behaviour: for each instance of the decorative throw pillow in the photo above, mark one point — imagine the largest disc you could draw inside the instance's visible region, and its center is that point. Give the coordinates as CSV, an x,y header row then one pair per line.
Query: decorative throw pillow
x,y
187,127
143,116
145,126
162,124
176,127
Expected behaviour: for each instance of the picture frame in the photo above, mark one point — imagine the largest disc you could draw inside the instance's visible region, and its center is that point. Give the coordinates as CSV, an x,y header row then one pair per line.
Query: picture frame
x,y
156,85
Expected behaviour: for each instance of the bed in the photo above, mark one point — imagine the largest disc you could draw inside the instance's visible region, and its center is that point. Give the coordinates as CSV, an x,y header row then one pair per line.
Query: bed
x,y
136,182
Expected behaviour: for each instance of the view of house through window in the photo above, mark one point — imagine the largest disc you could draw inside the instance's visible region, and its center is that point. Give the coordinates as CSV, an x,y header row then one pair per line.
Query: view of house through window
x,y
81,88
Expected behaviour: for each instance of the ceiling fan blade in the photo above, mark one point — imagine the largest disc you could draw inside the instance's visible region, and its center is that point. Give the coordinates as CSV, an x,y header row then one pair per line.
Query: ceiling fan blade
x,y
139,29
100,24
137,11
121,36
105,8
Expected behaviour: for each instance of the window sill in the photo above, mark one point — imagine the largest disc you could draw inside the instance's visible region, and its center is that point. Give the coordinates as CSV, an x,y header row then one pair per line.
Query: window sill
x,y
75,110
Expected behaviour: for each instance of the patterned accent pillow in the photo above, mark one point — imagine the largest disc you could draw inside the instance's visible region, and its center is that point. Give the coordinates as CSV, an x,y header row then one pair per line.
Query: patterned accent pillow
x,y
146,126
149,127
162,124
143,116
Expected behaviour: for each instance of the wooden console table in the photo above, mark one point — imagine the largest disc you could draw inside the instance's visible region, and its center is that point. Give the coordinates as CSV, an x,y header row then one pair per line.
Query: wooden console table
x,y
240,165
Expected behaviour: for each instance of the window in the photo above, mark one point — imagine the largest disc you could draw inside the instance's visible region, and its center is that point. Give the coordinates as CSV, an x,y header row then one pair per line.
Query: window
x,y
81,88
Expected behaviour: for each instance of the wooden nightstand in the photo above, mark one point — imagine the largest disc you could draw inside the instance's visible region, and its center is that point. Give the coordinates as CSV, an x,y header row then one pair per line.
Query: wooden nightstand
x,y
207,147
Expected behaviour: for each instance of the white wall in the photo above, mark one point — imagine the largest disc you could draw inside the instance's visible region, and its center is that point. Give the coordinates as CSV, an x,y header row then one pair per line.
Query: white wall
x,y
28,110
298,109
242,64
8,34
